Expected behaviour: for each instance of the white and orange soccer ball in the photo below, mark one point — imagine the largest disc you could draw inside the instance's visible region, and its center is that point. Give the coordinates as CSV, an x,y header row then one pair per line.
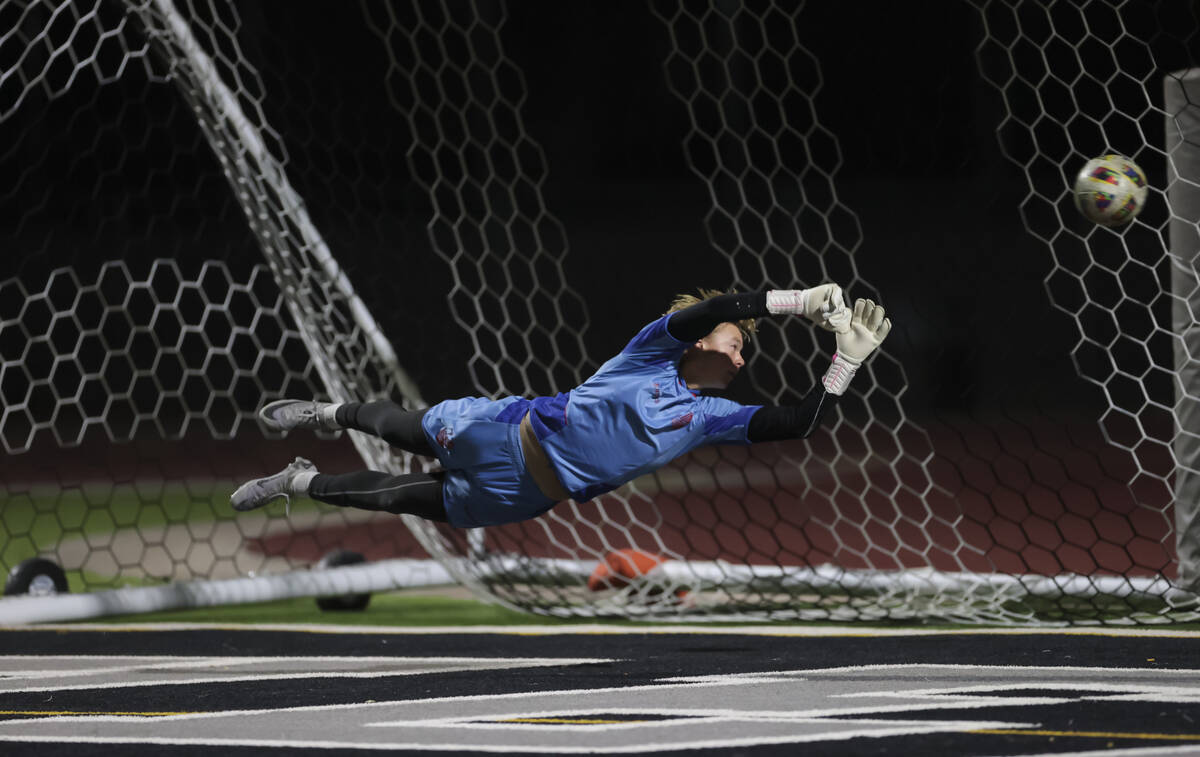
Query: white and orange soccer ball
x,y
629,568
1110,190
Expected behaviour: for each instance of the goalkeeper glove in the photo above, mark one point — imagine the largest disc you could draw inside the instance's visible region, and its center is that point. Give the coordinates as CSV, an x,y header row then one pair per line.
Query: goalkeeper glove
x,y
867,330
823,305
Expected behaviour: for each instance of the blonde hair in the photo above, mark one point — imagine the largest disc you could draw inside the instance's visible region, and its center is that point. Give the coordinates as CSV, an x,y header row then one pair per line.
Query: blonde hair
x,y
747,326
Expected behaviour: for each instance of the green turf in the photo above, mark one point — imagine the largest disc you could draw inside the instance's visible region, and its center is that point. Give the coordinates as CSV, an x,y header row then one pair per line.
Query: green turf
x,y
403,609
394,609
34,522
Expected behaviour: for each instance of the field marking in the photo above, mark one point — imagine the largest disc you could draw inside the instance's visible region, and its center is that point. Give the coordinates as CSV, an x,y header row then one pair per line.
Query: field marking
x,y
98,713
604,630
716,679
915,729
1194,674
867,724
569,721
1139,751
815,715
11,681
1089,734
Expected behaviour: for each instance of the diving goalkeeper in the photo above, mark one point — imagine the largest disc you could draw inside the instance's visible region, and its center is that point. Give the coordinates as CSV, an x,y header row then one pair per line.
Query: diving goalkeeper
x,y
513,459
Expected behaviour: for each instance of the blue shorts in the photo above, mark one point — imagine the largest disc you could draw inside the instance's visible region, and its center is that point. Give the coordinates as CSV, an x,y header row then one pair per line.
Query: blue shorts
x,y
478,442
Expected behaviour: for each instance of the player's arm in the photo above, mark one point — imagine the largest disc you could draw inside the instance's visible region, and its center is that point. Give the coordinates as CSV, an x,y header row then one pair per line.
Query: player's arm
x,y
775,423
823,305
867,329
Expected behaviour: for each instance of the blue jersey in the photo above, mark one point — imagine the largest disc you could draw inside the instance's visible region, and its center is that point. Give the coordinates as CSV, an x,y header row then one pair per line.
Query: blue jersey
x,y
633,416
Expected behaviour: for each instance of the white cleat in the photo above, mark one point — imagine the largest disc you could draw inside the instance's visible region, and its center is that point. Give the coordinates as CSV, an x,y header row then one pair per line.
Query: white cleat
x,y
257,493
285,415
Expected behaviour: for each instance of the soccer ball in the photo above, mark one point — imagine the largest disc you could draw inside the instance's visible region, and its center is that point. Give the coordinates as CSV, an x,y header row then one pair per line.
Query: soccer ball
x,y
1110,190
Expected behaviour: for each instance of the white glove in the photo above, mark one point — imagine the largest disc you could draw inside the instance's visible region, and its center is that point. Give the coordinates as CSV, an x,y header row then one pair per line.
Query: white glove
x,y
868,329
823,305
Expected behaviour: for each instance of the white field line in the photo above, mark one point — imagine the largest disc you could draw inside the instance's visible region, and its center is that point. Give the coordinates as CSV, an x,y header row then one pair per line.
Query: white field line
x,y
239,669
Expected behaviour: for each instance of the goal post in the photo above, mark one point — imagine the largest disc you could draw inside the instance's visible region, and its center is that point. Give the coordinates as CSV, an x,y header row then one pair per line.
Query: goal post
x,y
220,204
1181,92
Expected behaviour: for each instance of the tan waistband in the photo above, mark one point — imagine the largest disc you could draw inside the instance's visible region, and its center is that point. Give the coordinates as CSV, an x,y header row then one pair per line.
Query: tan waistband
x,y
538,464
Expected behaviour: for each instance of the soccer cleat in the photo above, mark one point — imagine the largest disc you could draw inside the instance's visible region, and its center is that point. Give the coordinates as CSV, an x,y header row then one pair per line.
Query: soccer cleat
x,y
284,415
257,493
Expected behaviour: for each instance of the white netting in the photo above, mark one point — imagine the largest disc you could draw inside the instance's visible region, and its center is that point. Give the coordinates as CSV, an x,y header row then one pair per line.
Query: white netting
x,y
1079,80
408,175
137,312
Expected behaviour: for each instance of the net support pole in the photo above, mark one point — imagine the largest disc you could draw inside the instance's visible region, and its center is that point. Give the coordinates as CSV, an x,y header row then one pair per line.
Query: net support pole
x,y
365,578
1182,105
251,169
201,83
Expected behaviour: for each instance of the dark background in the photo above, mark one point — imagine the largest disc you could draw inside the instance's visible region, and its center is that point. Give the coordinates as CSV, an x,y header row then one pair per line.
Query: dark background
x,y
918,149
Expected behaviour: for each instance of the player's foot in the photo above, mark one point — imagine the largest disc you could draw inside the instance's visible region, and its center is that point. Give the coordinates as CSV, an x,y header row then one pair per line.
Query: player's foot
x,y
254,494
284,415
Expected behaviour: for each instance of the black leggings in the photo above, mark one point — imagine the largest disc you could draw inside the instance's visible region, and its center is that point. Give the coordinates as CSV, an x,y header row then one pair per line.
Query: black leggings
x,y
410,493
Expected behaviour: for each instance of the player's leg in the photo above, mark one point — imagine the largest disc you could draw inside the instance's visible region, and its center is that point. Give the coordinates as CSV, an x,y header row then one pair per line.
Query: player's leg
x,y
387,420
258,492
417,494
384,418
413,493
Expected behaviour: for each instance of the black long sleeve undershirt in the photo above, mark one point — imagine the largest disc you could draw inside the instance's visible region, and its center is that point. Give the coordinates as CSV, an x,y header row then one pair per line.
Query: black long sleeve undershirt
x,y
774,423
699,320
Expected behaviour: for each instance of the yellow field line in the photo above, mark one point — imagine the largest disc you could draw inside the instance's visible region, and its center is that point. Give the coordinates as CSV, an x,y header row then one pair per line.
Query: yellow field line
x,y
1091,734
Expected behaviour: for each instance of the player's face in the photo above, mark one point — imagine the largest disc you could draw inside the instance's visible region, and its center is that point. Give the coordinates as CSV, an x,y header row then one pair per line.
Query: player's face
x,y
715,359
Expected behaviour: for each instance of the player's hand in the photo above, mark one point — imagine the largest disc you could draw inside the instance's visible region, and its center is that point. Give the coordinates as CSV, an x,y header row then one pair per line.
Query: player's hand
x,y
835,316
868,328
824,305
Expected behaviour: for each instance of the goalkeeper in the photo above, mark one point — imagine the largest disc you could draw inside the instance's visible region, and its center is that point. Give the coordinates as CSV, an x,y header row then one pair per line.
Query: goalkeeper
x,y
513,459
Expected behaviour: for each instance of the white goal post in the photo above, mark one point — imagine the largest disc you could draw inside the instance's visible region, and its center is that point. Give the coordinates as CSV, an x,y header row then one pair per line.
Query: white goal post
x,y
1181,92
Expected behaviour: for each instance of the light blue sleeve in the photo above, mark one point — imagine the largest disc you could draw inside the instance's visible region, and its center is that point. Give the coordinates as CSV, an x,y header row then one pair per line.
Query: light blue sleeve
x,y
654,344
725,421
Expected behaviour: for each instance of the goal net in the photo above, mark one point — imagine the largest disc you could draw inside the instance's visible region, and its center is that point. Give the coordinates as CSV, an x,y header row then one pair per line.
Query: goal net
x,y
213,205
